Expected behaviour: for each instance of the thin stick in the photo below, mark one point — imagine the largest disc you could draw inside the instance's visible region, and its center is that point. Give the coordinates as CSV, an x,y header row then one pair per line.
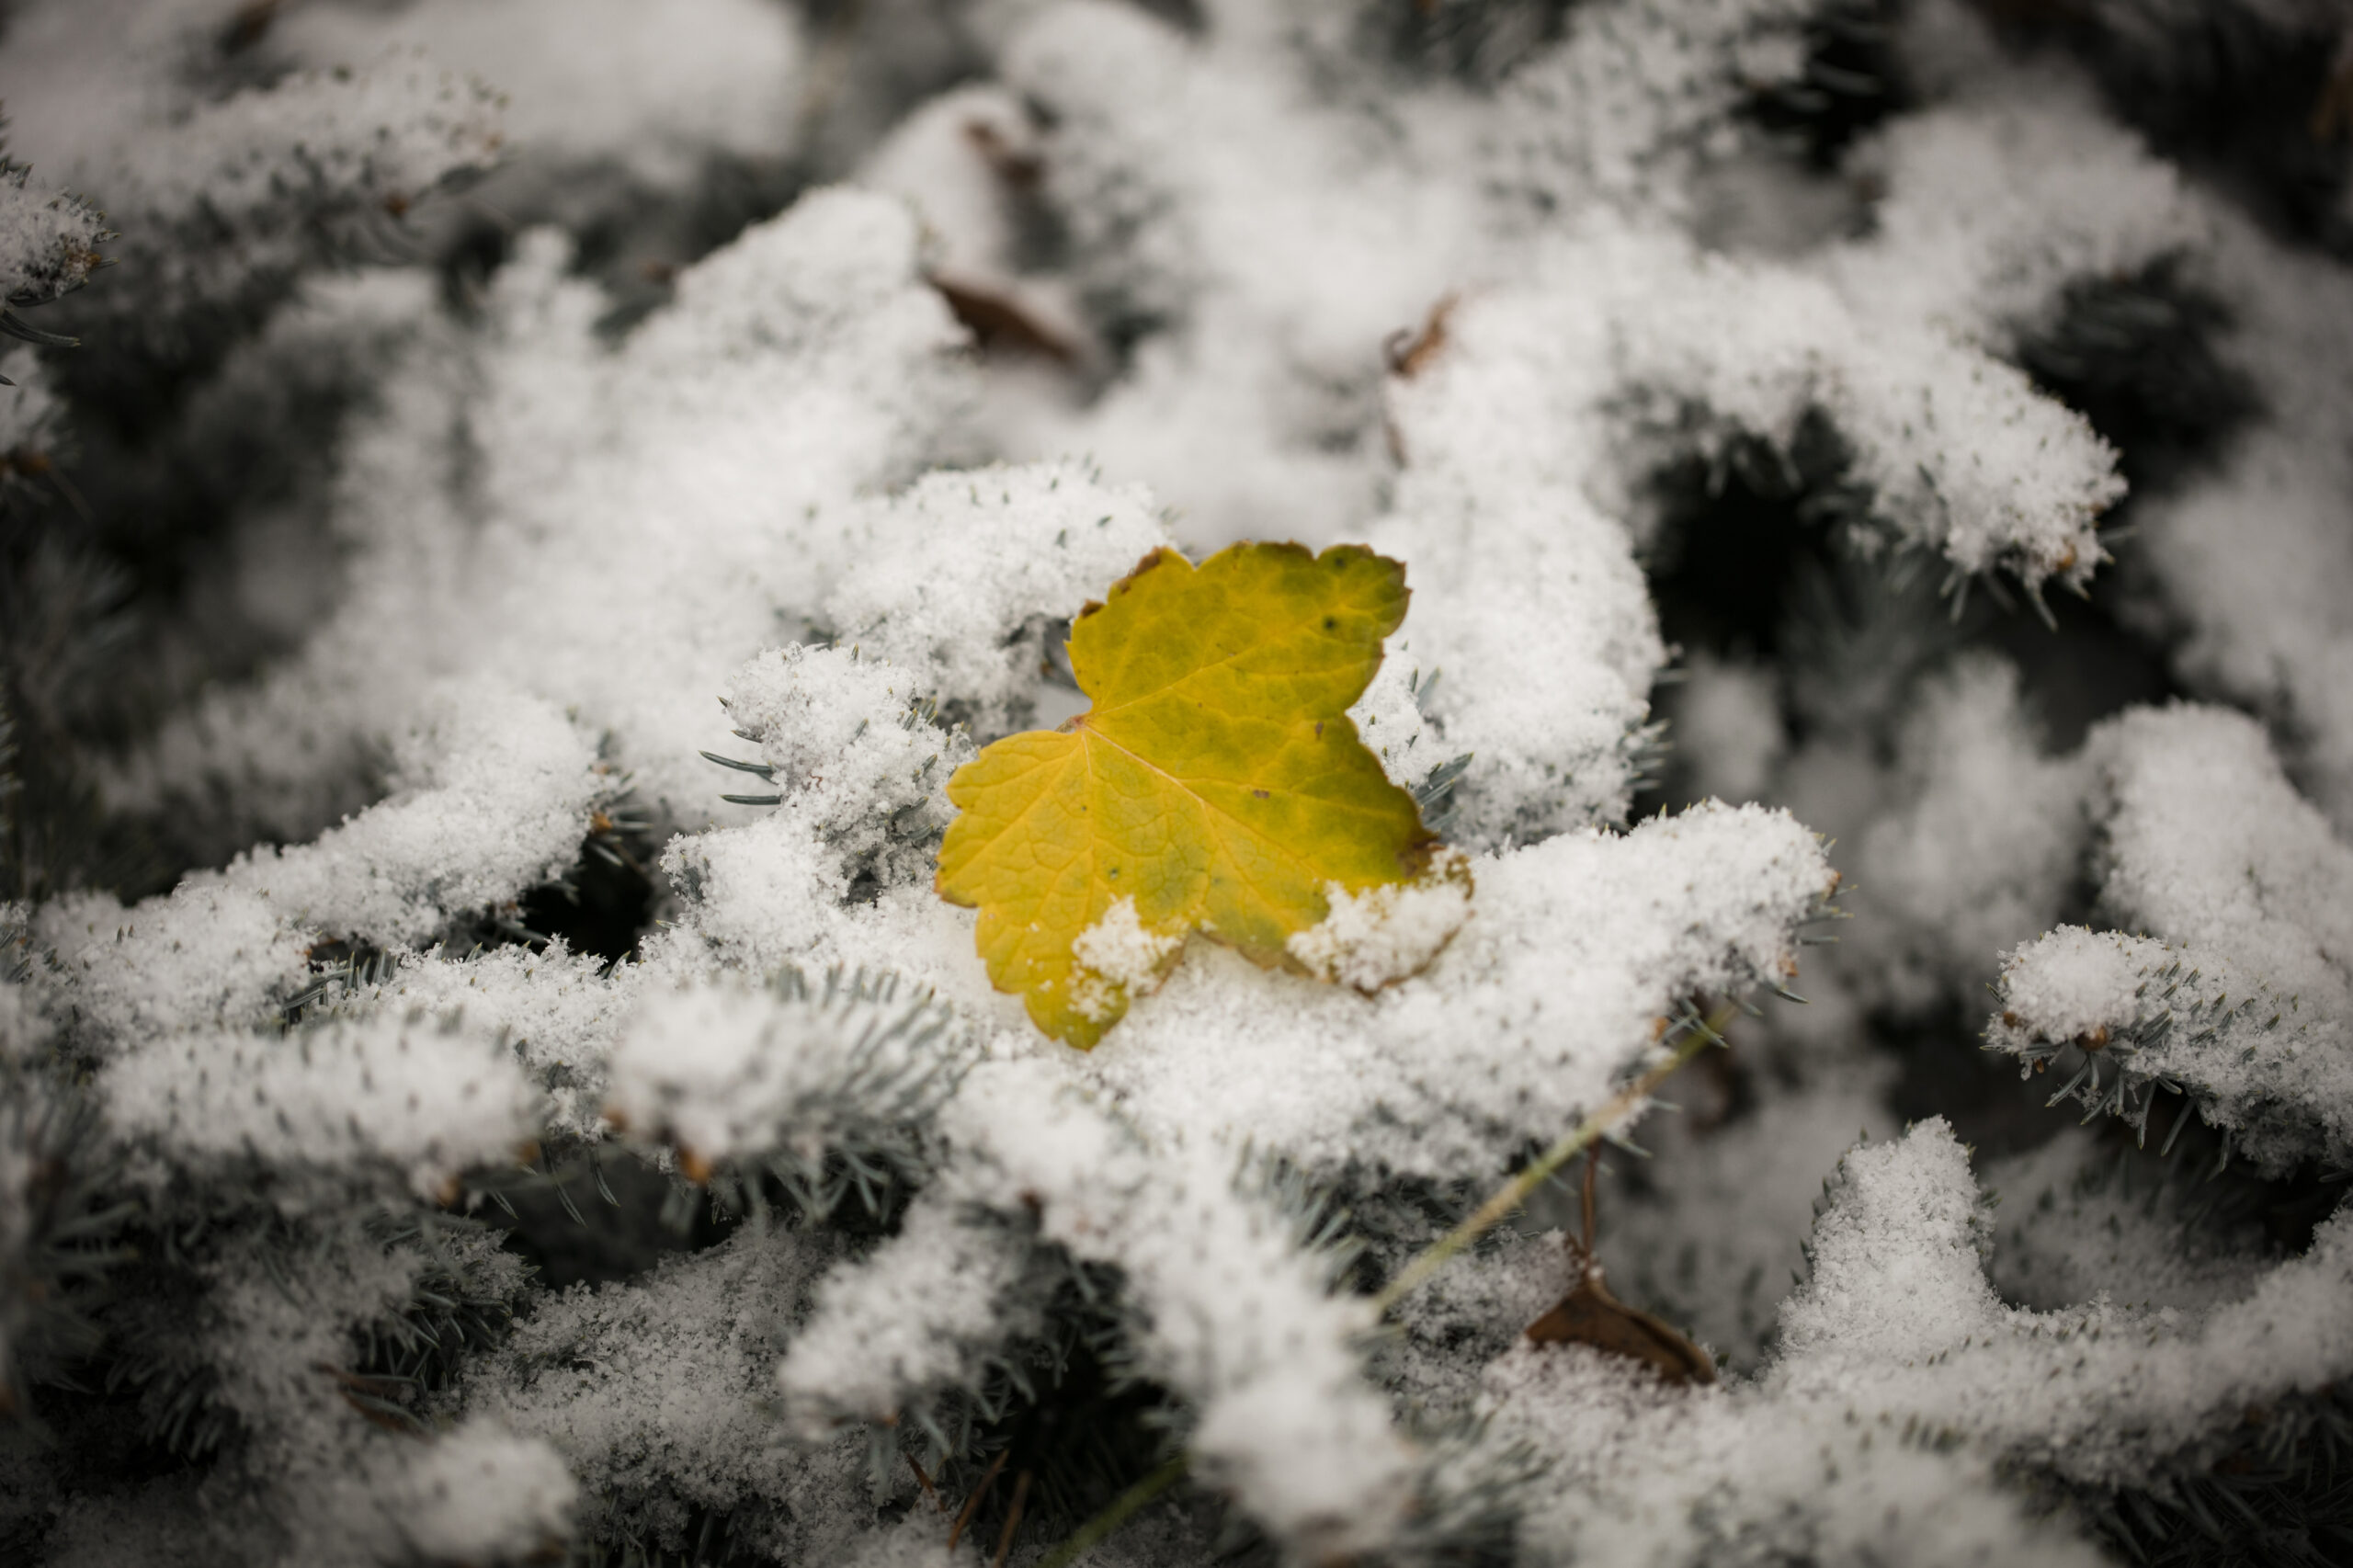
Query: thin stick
x,y
974,1500
1585,1244
1012,1519
916,1465
1095,1530
1515,1192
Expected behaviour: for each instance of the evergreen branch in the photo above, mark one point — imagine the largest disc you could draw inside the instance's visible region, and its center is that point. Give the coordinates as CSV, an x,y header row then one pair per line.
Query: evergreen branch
x,y
1513,1193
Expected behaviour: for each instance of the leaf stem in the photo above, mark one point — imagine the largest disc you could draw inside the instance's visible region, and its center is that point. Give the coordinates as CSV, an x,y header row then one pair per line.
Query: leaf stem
x,y
1133,1499
1513,1193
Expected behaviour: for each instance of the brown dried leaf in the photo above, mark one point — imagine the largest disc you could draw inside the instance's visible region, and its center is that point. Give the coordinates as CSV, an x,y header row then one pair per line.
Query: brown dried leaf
x,y
1589,1314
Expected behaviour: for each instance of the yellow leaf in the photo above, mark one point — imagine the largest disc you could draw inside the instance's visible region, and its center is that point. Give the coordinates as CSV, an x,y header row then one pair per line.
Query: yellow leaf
x,y
1217,785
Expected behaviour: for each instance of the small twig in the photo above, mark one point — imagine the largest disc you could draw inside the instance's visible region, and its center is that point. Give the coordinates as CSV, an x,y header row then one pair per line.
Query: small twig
x,y
1585,1244
973,1501
1012,1519
916,1465
1515,1192
1099,1529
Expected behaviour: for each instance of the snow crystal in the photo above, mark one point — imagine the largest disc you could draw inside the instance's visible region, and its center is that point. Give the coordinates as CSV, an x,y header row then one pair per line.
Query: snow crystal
x,y
206,955
1578,952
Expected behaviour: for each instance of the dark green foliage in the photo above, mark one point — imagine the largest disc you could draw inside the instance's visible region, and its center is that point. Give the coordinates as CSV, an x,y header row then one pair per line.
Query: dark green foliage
x,y
2241,92
1742,523
599,1215
2278,1493
1852,80
1476,41
2137,357
68,1237
709,1541
459,1302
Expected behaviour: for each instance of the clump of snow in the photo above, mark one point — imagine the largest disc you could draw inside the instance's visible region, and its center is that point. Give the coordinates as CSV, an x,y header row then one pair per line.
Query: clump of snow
x,y
1901,1385
731,1069
1992,205
2076,985
2074,1224
654,89
1389,721
424,1096
2234,985
921,1314
207,954
955,578
49,240
1119,957
1872,1300
853,751
1384,934
1233,1316
477,1493
1981,847
1726,726
612,529
1636,98
280,168
1899,1320
559,1011
498,791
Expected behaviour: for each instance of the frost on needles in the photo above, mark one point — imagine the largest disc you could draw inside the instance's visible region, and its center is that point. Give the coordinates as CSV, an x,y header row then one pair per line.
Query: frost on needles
x,y
547,493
